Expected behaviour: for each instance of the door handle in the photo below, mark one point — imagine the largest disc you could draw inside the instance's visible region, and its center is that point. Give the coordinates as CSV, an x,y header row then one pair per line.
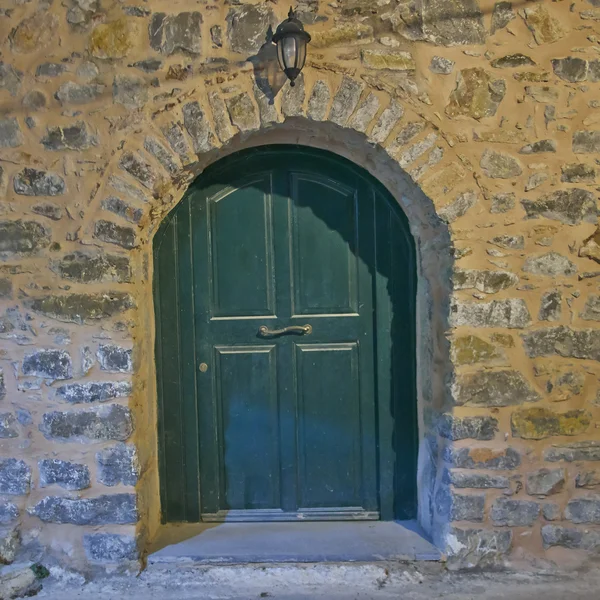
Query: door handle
x,y
264,331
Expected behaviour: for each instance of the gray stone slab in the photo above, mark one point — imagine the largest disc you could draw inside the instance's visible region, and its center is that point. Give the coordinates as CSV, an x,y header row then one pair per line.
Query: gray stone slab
x,y
317,541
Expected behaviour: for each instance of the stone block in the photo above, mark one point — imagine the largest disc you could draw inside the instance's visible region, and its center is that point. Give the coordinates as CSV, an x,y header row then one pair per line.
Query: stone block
x,y
484,280
105,423
292,98
174,135
118,464
8,426
563,341
180,32
10,79
470,349
122,209
539,147
493,388
9,546
318,103
545,482
345,101
458,207
23,237
462,479
551,512
591,310
551,264
511,242
586,142
48,364
49,210
546,27
514,513
115,359
343,34
139,169
550,306
578,173
470,548
499,165
386,122
79,93
93,391
242,112
478,428
247,27
511,313
571,68
483,458
477,94
539,423
570,537
510,61
116,509
120,235
130,91
196,124
392,60
15,477
502,202
452,22
87,267
585,509
441,65
75,137
587,479
575,451
113,40
460,507
33,182
8,512
68,475
110,547
20,583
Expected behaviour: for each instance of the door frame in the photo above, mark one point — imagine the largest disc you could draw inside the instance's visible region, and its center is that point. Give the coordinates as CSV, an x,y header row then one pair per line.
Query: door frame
x,y
397,477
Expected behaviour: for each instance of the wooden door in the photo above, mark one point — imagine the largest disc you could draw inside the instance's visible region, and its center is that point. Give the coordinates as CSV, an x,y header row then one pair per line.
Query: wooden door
x,y
274,347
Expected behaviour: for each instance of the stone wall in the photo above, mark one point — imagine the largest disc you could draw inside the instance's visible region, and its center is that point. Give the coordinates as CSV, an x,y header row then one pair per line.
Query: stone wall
x,y
480,118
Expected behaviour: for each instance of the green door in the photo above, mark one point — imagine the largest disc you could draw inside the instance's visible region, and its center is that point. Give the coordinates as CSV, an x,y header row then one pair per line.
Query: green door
x,y
281,361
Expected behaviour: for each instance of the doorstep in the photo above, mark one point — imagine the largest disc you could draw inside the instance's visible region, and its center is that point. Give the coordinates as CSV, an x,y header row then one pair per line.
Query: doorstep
x,y
307,542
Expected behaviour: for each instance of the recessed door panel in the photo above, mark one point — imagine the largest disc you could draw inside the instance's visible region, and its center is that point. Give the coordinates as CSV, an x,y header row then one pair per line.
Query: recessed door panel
x,y
324,240
241,250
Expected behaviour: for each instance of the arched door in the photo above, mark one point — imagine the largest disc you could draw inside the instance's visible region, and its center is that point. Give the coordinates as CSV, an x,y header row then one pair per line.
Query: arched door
x,y
284,297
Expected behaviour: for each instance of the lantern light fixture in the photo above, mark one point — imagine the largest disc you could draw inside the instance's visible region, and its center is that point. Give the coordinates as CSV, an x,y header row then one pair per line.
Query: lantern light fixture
x,y
291,41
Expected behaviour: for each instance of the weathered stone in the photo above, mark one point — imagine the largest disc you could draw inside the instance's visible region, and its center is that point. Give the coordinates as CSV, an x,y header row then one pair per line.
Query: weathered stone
x,y
550,306
48,364
551,264
587,479
594,69
34,100
247,27
499,165
575,451
511,313
129,91
8,512
110,547
98,391
82,308
68,475
502,202
343,34
79,93
545,27
571,206
138,169
266,106
122,209
458,207
23,237
452,22
114,358
216,36
176,33
441,65
392,60
116,509
10,79
539,147
493,388
535,180
563,341
514,513
571,69
86,267
74,137
5,288
483,458
591,310
318,103
387,121
49,210
502,15
164,157
10,541
292,98
111,422
542,93
574,539
462,479
34,33
512,60
7,426
31,182
176,138
477,428
113,40
532,76
551,512
110,232
512,242
407,133
459,507
586,142
15,477
539,423
242,112
470,349
220,116
578,173
489,282
482,548
499,136
545,482
118,464
345,101
196,124
476,94
150,65
20,583
585,509
10,133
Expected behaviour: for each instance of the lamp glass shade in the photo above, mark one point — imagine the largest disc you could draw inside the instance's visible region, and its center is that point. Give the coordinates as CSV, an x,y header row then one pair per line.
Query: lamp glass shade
x,y
291,40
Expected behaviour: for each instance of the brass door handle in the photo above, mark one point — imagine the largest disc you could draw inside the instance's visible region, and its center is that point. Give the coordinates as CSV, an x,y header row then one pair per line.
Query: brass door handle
x,y
264,331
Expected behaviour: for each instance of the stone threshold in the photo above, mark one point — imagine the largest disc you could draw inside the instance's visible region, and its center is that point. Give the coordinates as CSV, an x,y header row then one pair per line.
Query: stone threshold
x,y
306,542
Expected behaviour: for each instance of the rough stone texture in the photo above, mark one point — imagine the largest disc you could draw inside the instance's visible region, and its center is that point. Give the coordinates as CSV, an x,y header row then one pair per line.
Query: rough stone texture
x,y
546,27
551,512
110,547
460,507
15,477
569,537
10,79
477,94
464,479
318,103
550,306
164,157
387,121
586,450
578,173
118,464
571,206
499,165
502,202
8,426
23,237
115,359
586,142
292,98
550,265
49,364
243,112
345,101
483,548
591,310
129,91
452,22
441,65
9,546
110,232
197,126
538,423
112,422
8,512
563,341
79,93
68,475
116,509
489,282
493,388
511,313
570,69
458,208
93,268
585,509
514,513
247,27
113,40
483,458
470,349
545,482
138,169
181,32
393,60
31,182
101,391
478,428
